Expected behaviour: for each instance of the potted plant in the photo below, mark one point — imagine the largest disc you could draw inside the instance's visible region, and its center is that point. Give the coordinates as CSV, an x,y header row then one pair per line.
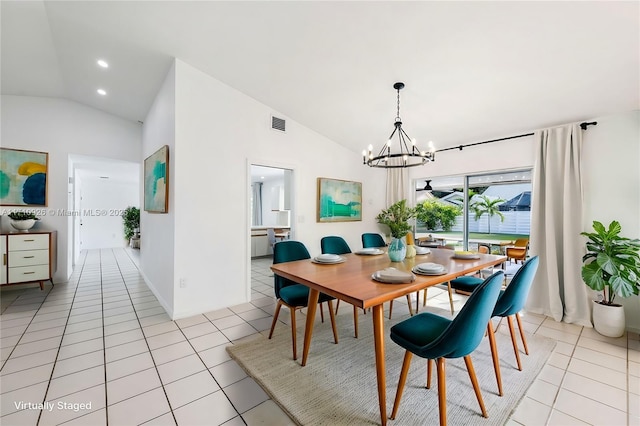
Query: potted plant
x,y
131,220
396,217
611,265
22,221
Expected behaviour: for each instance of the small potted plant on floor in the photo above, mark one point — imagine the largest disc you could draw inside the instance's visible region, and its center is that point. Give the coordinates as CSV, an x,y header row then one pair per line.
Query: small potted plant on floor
x,y
131,221
22,221
611,265
396,217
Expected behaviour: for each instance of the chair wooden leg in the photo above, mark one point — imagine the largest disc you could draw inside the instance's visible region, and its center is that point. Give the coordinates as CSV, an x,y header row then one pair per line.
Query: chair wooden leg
x,y
409,304
429,370
442,392
332,315
390,308
450,296
424,298
417,301
275,317
494,355
401,382
321,313
524,340
515,342
293,332
474,382
337,306
355,321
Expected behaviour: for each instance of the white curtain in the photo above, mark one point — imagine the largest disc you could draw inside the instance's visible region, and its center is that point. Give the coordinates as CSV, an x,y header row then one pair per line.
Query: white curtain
x,y
556,223
256,213
397,183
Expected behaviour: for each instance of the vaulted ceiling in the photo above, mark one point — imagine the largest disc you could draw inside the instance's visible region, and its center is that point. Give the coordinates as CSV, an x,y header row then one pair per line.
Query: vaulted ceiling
x,y
473,70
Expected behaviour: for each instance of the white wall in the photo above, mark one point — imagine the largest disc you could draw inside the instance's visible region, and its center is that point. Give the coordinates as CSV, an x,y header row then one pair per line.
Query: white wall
x,y
219,132
612,183
61,127
101,230
157,229
611,175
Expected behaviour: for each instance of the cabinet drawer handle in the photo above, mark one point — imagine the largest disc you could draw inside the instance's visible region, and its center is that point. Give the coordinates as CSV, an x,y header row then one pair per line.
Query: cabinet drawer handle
x,y
27,273
28,257
4,259
28,241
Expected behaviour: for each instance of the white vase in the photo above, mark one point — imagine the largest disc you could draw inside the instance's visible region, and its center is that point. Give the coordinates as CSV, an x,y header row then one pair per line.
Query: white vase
x,y
608,320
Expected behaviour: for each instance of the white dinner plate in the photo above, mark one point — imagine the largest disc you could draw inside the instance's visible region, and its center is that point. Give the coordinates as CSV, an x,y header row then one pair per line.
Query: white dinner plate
x,y
420,272
370,251
466,256
422,250
328,262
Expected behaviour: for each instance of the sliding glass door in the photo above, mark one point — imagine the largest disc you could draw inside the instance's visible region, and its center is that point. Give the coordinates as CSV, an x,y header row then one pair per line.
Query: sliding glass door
x,y
491,210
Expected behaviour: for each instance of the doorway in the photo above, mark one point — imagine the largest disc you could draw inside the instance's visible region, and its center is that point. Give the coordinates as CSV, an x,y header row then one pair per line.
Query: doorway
x,y
270,206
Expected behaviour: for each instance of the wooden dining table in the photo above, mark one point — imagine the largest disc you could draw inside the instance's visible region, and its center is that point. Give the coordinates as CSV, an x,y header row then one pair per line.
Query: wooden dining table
x,y
352,282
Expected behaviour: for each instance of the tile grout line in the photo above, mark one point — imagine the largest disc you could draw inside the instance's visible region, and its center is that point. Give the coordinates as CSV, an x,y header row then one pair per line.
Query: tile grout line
x,y
155,365
104,345
62,338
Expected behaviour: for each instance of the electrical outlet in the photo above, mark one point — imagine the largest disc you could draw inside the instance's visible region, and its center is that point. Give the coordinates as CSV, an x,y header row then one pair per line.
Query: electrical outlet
x,y
183,283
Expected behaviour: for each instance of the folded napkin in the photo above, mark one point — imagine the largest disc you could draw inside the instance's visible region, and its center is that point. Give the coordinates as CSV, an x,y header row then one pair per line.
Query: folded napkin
x,y
430,267
393,276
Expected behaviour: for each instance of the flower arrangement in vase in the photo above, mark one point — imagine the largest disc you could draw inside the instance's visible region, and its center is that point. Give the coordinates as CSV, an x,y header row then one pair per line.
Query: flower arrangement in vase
x,y
397,217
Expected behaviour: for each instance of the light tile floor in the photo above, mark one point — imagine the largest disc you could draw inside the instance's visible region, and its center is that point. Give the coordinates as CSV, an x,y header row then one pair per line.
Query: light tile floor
x,y
103,340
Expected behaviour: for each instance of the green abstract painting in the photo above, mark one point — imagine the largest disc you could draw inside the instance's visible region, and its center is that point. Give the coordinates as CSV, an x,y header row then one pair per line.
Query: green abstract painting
x,y
23,177
156,181
339,200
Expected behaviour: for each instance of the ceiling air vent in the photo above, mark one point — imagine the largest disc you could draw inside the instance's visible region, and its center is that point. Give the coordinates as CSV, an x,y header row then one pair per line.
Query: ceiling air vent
x,y
278,124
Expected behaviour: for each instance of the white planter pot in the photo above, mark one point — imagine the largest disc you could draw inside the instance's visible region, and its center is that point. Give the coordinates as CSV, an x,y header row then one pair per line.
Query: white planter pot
x,y
608,320
23,225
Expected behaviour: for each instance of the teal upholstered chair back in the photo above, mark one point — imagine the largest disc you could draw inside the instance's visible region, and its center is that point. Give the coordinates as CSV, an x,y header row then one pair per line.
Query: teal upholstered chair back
x,y
513,298
372,240
334,245
287,251
466,330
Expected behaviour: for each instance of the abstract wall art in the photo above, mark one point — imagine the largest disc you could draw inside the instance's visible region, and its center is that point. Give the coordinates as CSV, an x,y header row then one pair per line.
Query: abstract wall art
x,y
156,181
23,177
339,200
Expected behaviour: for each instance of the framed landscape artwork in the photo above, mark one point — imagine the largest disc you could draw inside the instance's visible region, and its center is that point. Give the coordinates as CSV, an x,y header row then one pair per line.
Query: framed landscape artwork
x,y
156,181
339,200
23,177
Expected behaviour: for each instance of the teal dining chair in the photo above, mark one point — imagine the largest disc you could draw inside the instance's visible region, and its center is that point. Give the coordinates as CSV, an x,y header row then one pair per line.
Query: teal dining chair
x,y
434,337
510,302
370,240
337,245
291,294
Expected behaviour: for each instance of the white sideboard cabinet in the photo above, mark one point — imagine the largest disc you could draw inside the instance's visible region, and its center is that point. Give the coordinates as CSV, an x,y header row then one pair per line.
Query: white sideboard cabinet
x,y
28,257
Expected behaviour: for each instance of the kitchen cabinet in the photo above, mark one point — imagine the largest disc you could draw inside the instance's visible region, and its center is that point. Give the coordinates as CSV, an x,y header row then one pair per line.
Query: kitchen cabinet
x,y
277,198
259,243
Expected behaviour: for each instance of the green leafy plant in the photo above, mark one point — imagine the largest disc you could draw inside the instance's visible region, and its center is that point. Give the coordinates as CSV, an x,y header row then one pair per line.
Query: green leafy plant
x,y
131,219
396,217
434,214
22,216
489,206
612,262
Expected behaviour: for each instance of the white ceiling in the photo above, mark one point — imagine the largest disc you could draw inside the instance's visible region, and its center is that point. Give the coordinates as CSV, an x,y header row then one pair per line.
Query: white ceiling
x,y
92,168
473,70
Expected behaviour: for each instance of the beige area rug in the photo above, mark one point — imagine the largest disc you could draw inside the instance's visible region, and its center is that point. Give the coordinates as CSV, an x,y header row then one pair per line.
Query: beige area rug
x,y
338,385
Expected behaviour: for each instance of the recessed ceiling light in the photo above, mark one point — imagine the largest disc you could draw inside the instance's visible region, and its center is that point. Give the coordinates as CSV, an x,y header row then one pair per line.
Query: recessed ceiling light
x,y
103,63
261,177
102,92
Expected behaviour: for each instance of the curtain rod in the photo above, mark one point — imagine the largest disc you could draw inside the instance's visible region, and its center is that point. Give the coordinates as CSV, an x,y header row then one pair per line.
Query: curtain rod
x,y
583,126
